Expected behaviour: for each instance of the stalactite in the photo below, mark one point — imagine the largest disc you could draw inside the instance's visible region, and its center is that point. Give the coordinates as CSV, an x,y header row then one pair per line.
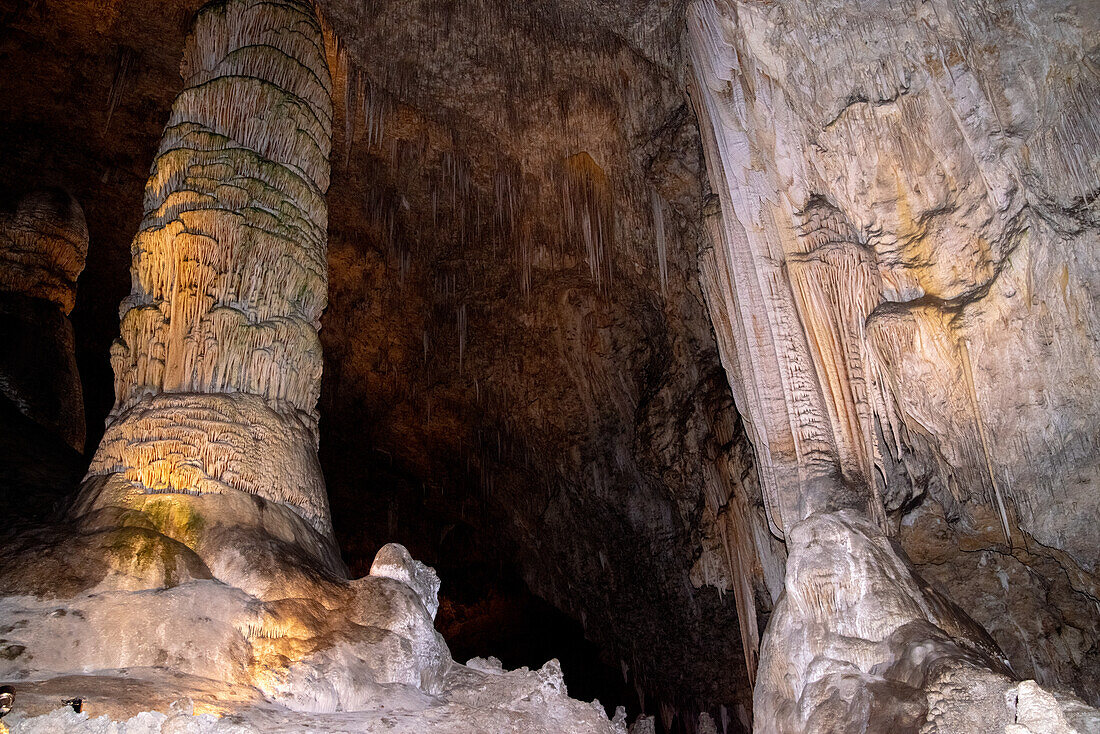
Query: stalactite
x,y
919,343
735,563
659,230
118,84
968,371
589,213
836,287
460,326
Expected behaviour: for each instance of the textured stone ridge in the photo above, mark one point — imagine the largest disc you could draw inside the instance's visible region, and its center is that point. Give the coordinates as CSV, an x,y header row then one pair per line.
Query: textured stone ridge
x,y
393,561
230,273
174,650
212,444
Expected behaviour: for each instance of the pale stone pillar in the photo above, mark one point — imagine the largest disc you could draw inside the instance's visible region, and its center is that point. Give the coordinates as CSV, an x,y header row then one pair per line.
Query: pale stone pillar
x,y
218,366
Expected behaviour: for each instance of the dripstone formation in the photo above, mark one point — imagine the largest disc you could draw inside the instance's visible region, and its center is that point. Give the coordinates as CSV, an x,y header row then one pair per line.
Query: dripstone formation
x,y
218,368
43,246
745,352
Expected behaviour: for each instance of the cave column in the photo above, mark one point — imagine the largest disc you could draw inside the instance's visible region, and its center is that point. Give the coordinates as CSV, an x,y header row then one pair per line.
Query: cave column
x,y
218,366
43,247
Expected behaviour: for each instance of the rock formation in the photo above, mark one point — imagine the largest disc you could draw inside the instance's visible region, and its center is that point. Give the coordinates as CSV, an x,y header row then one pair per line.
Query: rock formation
x,y
902,284
203,523
43,245
218,368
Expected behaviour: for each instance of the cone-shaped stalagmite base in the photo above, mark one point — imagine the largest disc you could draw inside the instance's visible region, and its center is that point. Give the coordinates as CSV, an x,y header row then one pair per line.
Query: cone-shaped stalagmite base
x,y
218,369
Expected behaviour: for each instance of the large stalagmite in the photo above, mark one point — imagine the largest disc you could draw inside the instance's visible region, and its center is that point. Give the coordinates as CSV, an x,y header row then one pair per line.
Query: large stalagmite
x,y
217,371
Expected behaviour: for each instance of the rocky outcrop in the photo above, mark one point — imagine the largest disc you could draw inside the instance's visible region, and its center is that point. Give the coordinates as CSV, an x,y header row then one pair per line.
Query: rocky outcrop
x,y
902,284
912,194
193,654
860,642
43,246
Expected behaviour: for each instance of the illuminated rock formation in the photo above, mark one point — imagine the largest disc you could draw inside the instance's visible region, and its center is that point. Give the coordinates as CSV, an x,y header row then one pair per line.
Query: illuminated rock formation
x,y
43,245
359,656
217,371
915,154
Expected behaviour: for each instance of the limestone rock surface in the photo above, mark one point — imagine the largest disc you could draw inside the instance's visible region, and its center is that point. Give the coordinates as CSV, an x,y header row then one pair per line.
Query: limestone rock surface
x,y
393,561
903,283
115,616
43,247
860,642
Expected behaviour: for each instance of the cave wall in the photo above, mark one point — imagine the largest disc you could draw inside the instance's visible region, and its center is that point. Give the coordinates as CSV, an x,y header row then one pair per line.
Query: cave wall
x,y
521,240
198,559
902,283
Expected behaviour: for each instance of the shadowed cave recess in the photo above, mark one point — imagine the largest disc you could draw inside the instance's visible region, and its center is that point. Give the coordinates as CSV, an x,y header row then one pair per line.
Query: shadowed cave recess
x,y
443,366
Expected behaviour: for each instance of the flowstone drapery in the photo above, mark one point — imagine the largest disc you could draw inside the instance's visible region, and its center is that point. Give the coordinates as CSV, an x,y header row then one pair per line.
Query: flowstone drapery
x,y
902,283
